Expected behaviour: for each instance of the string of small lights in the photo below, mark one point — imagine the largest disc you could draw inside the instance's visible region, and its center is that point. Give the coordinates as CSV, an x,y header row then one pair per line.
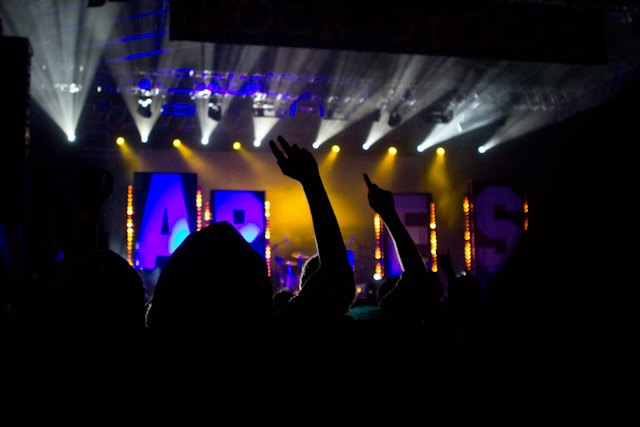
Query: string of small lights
x,y
267,235
130,224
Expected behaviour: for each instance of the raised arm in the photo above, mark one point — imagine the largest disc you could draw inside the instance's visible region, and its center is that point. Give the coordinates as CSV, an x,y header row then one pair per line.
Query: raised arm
x,y
381,201
299,164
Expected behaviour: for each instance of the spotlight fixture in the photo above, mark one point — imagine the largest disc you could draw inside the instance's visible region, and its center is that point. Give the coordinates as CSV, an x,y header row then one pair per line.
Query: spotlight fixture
x,y
335,148
482,149
215,112
394,118
120,140
440,151
393,150
144,106
176,142
204,140
144,84
237,145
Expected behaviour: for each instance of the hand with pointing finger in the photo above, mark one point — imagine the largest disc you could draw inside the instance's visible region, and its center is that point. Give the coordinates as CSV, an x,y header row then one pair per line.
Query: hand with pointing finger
x,y
295,162
381,201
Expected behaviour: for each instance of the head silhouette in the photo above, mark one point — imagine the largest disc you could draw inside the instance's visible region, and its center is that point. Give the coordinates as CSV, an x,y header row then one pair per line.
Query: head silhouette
x,y
214,283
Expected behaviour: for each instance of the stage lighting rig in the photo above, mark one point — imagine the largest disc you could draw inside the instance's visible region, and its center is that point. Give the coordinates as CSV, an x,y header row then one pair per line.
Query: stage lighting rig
x,y
441,111
267,110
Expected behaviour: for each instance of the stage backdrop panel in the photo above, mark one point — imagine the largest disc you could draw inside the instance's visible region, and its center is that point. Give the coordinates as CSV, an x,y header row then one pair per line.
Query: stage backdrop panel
x,y
497,217
164,215
245,211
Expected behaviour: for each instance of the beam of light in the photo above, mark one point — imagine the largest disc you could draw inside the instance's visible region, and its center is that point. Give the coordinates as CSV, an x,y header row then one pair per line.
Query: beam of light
x,y
128,39
438,181
384,170
61,73
144,45
195,162
378,130
139,55
328,161
261,128
207,125
472,113
128,155
351,96
240,58
286,62
417,75
517,125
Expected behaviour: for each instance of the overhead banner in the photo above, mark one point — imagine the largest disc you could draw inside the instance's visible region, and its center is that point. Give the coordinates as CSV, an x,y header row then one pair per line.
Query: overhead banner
x,y
497,30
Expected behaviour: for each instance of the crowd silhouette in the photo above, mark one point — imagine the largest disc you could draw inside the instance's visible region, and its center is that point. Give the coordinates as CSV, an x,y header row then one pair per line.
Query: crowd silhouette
x,y
214,347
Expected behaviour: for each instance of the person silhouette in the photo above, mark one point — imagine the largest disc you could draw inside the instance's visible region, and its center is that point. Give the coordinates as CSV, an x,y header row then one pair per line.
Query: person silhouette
x,y
207,324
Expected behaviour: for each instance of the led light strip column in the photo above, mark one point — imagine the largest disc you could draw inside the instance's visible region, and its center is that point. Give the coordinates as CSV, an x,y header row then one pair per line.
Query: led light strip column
x,y
379,255
267,235
433,238
525,209
198,209
130,225
467,207
207,214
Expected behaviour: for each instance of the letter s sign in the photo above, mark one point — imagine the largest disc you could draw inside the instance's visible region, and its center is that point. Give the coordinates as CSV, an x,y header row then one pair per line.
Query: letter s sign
x,y
498,218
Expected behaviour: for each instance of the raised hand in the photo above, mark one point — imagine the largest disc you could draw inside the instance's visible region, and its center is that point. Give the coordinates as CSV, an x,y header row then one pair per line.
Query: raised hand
x,y
334,281
295,162
380,200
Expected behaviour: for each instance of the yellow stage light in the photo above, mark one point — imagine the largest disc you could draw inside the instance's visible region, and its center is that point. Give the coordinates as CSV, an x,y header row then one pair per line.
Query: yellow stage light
x,y
120,140
236,145
440,151
335,148
176,142
393,150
